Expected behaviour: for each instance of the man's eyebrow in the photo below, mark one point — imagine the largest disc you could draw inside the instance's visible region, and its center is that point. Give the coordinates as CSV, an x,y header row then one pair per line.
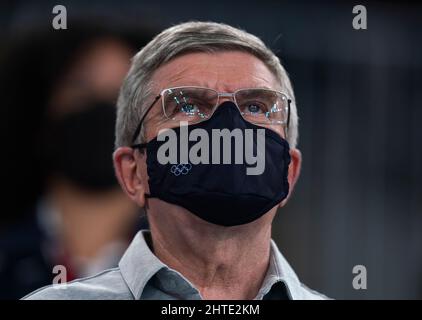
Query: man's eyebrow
x,y
204,85
263,87
258,87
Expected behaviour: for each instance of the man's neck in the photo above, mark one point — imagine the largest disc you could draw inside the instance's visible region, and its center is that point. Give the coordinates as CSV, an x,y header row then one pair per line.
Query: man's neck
x,y
222,262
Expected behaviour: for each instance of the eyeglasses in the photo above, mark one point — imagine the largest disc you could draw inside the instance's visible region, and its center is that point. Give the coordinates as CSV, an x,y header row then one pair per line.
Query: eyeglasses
x,y
196,104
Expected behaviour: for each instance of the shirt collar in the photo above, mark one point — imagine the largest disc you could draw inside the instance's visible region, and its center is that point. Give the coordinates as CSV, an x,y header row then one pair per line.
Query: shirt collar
x,y
280,280
138,265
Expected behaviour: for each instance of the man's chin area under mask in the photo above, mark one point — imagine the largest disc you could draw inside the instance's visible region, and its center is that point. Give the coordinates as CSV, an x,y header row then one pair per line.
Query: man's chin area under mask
x,y
163,215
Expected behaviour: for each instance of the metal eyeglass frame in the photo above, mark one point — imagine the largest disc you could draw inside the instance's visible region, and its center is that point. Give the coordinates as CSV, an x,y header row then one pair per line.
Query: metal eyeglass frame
x,y
219,94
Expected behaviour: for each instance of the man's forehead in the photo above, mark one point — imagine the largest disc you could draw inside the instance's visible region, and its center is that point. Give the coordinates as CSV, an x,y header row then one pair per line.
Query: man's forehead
x,y
222,71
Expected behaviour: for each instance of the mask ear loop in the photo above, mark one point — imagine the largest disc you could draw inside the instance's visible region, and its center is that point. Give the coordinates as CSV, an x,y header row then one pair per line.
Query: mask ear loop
x,y
141,146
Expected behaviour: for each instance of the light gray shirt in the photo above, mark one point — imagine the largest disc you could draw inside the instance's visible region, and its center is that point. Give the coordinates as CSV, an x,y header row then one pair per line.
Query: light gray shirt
x,y
142,276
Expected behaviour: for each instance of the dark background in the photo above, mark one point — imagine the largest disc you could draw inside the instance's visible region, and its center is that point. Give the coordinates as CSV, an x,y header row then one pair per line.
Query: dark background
x,y
359,199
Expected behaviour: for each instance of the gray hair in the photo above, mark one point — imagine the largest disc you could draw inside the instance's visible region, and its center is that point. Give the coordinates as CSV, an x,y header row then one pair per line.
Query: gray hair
x,y
208,37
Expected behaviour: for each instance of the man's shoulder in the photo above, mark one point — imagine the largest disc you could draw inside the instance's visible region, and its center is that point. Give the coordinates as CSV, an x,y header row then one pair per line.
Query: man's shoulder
x,y
107,285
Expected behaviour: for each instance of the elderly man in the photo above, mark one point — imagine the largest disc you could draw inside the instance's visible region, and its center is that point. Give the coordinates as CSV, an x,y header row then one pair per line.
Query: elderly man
x,y
209,206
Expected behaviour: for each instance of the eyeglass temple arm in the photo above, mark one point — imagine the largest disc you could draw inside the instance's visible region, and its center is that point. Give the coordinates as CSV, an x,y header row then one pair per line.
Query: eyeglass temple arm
x,y
138,128
288,117
288,112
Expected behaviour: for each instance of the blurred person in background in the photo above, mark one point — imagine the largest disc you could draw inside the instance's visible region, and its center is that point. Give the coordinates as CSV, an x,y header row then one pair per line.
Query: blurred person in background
x,y
60,94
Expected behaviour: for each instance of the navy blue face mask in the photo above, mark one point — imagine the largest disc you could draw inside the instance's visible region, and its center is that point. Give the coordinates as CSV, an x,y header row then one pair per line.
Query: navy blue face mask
x,y
222,194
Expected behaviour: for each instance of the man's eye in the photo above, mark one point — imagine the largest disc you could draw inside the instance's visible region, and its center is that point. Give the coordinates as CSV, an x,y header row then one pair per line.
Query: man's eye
x,y
188,108
254,108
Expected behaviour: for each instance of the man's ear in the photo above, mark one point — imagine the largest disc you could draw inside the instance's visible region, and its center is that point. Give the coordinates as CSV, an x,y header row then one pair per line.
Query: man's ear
x,y
127,162
294,172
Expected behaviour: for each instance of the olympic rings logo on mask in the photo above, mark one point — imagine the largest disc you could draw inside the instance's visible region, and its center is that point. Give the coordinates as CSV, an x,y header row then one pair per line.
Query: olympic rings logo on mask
x,y
179,169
